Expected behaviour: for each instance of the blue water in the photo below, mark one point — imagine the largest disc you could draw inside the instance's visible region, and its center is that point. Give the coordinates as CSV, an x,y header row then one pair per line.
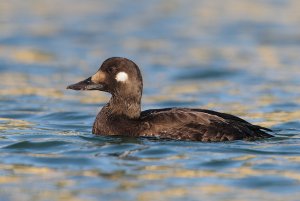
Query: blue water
x,y
236,57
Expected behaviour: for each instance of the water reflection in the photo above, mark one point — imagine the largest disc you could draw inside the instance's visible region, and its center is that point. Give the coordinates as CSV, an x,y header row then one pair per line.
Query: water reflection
x,y
231,56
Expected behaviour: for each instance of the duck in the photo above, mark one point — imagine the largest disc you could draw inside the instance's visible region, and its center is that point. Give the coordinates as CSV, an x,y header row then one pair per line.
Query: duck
x,y
122,115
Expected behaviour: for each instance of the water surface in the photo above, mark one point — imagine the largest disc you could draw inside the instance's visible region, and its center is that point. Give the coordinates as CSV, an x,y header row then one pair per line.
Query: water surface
x,y
240,57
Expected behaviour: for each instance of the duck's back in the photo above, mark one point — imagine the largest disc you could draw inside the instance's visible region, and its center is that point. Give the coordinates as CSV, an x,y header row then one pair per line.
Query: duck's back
x,y
198,125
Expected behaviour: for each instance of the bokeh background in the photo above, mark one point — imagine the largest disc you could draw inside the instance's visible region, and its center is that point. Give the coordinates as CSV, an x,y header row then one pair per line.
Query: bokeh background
x,y
241,57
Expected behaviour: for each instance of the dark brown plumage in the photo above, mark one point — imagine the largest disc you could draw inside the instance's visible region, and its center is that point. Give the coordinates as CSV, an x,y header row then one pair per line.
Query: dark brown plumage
x,y
122,115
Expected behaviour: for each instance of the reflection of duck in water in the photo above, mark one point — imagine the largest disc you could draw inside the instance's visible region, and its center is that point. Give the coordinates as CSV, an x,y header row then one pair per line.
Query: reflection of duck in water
x,y
122,115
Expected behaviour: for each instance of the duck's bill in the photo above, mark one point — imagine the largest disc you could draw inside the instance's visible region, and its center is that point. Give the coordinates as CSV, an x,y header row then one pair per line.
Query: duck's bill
x,y
86,85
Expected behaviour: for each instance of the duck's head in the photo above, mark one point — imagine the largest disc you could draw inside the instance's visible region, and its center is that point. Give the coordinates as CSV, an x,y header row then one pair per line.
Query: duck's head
x,y
118,76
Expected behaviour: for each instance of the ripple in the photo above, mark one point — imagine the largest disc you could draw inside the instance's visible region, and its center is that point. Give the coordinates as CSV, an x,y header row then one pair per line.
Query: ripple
x,y
155,153
208,73
65,116
189,56
220,164
272,183
30,146
59,162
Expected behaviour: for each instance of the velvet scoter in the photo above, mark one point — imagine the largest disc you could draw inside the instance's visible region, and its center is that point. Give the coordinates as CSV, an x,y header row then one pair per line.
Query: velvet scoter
x,y
122,115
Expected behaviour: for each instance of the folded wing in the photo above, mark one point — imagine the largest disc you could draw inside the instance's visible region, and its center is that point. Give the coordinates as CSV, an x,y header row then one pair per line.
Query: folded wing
x,y
200,125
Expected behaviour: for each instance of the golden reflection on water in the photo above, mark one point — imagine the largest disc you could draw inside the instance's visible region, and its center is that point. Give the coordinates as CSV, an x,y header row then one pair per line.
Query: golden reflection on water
x,y
31,56
27,55
209,190
274,118
9,179
234,173
8,123
251,52
214,192
47,92
22,169
155,173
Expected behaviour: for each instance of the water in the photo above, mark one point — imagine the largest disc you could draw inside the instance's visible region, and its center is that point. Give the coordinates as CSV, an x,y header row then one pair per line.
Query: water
x,y
240,57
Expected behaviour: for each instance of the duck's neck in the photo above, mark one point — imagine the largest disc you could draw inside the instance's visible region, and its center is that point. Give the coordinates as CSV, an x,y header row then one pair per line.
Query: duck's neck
x,y
127,106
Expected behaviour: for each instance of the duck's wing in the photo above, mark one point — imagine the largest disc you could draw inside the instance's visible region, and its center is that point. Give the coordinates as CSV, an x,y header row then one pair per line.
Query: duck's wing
x,y
200,125
231,117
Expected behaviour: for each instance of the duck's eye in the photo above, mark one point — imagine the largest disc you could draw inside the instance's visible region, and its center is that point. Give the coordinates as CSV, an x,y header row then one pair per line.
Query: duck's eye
x,y
111,70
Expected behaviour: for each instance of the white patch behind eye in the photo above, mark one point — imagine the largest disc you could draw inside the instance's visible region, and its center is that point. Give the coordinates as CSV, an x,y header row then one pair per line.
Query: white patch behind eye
x,y
121,77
